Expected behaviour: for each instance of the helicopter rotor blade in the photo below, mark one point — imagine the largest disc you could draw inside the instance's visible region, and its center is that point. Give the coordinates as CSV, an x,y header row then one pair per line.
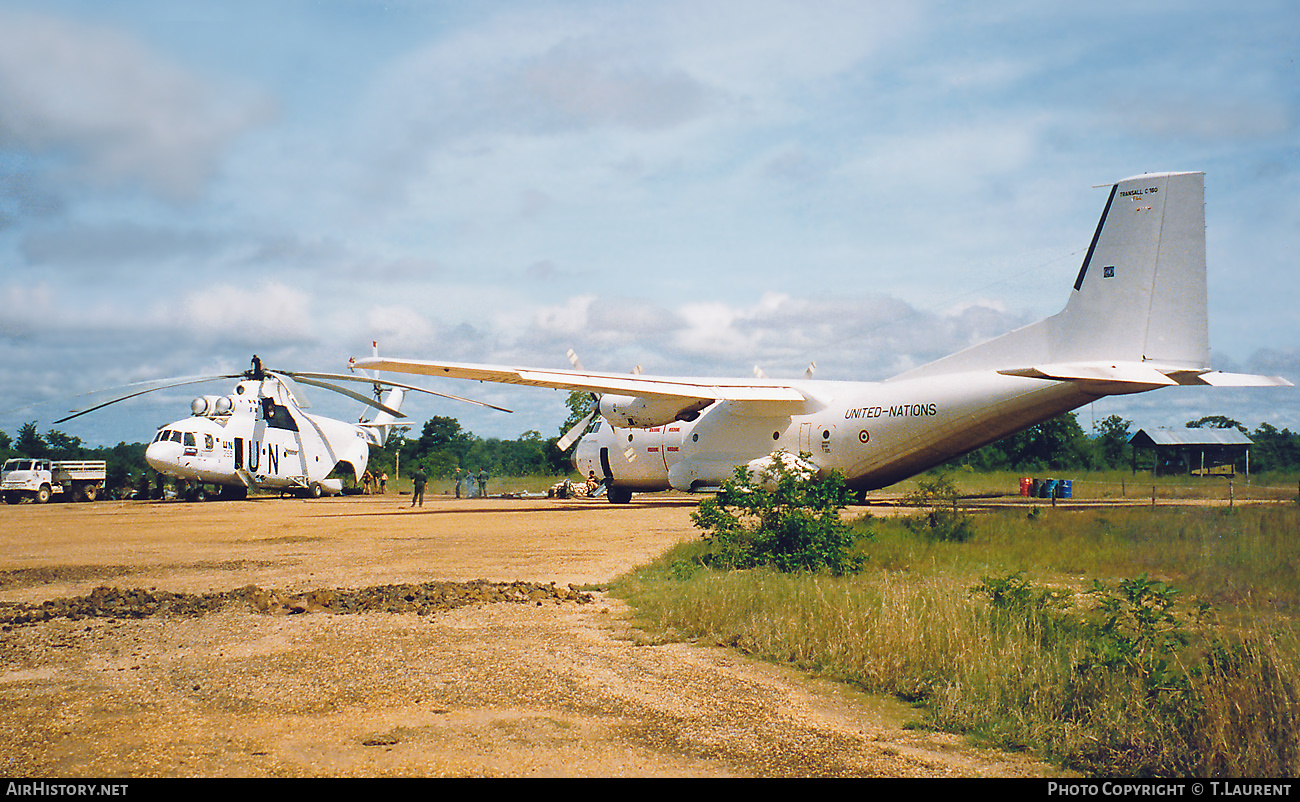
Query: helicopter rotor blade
x,y
286,381
350,394
187,380
387,383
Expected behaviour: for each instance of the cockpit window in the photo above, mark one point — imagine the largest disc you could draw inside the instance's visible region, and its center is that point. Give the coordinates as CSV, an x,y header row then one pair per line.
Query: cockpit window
x,y
207,442
189,439
176,437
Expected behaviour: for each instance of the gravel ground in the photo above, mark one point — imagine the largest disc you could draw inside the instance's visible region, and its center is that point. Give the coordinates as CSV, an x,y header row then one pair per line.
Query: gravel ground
x,y
359,637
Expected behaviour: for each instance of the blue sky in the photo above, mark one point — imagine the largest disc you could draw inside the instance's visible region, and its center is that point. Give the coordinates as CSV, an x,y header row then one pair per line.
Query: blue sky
x,y
697,188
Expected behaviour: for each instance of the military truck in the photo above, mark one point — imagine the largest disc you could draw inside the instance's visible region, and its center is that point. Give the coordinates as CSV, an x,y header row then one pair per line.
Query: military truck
x,y
43,479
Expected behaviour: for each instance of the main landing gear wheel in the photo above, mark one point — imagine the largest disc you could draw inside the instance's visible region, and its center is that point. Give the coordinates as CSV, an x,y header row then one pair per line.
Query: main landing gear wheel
x,y
619,495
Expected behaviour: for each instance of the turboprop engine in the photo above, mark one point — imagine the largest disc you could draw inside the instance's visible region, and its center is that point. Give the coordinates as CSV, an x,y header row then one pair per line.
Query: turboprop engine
x,y
644,411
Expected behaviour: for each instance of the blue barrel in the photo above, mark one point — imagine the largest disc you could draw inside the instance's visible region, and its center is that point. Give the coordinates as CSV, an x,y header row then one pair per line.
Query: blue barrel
x,y
1049,488
1066,489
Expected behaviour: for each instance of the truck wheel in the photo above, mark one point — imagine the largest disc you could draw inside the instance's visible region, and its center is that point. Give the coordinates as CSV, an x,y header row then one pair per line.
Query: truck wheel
x,y
43,495
90,493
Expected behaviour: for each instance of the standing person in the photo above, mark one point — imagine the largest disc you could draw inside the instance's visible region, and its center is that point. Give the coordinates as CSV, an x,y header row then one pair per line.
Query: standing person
x,y
367,480
383,482
482,482
460,479
418,480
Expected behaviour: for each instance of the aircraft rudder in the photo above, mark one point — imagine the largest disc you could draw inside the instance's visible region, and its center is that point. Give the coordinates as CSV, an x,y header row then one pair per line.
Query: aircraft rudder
x,y
1140,293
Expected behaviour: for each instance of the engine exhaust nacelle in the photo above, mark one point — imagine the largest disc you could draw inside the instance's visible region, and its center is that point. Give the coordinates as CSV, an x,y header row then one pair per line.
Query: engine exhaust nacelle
x,y
642,412
211,406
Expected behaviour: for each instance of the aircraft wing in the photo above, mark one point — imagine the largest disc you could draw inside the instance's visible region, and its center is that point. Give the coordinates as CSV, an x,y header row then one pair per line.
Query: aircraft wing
x,y
764,390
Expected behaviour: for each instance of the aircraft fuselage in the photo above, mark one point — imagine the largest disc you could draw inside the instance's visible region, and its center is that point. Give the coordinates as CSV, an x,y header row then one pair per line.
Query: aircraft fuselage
x,y
875,434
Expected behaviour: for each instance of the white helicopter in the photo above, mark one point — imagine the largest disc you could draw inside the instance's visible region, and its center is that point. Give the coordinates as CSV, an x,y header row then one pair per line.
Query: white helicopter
x,y
260,437
1135,321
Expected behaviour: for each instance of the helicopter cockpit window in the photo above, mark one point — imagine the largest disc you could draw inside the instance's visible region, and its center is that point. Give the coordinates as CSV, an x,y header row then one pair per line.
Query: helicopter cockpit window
x,y
189,439
176,437
207,442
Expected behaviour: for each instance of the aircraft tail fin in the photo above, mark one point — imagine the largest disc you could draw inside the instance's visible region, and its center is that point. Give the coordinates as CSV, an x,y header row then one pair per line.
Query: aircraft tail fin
x,y
1139,297
378,429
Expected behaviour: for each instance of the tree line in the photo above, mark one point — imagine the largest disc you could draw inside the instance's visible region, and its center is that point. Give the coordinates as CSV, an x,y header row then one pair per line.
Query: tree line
x,y
1062,444
124,461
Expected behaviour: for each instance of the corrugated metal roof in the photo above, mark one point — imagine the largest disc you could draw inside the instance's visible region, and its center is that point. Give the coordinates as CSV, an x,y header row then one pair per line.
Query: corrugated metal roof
x,y
1194,437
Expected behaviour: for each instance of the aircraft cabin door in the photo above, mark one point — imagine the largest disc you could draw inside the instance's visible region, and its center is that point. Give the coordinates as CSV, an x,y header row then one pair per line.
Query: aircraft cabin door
x,y
239,453
805,438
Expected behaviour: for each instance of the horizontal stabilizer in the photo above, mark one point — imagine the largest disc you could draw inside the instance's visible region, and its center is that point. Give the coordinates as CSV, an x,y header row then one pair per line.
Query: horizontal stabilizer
x,y
1216,378
1116,372
1135,374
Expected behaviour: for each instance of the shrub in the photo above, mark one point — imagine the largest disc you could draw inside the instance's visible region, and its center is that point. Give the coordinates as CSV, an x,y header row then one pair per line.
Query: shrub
x,y
940,524
786,518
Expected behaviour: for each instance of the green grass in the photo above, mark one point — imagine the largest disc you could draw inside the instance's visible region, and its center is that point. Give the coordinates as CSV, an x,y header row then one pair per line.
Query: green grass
x,y
1118,484
1076,670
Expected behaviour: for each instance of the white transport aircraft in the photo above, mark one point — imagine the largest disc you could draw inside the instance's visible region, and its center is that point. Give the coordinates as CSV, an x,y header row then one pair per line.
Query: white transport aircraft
x,y
1135,321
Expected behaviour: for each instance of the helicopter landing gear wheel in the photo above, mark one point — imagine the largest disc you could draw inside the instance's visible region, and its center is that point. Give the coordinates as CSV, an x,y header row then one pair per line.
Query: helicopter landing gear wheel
x,y
314,490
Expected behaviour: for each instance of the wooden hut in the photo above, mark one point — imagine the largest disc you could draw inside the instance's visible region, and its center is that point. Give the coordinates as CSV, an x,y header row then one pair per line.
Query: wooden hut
x,y
1195,452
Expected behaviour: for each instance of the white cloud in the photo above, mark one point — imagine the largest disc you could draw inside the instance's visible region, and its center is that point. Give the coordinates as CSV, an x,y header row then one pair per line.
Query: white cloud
x,y
99,100
258,316
24,308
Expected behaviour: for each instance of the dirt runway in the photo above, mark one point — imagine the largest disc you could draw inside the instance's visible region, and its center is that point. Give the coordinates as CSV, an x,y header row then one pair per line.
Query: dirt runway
x,y
540,688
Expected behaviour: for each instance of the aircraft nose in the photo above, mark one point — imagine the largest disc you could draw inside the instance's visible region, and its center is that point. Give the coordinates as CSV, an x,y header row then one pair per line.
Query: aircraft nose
x,y
163,455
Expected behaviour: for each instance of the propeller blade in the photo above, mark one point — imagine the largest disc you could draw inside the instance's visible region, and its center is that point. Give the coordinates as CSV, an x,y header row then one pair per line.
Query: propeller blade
x,y
573,434
76,413
387,383
345,391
